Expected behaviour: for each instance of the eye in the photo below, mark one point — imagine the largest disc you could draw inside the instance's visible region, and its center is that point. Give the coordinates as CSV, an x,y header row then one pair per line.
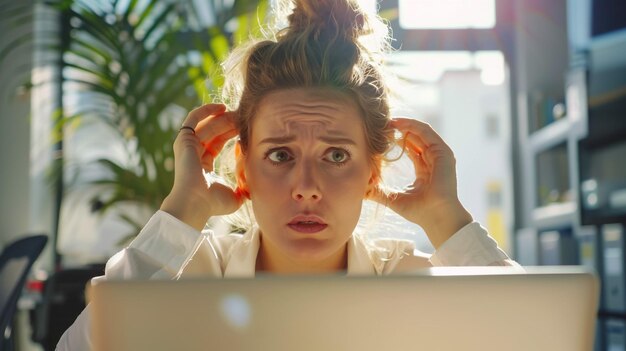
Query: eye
x,y
338,156
278,155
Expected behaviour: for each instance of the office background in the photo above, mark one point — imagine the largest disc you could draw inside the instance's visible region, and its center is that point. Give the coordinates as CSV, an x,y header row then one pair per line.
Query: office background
x,y
531,95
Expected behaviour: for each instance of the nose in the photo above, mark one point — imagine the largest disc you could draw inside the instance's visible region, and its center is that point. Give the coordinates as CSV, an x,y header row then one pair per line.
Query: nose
x,y
306,183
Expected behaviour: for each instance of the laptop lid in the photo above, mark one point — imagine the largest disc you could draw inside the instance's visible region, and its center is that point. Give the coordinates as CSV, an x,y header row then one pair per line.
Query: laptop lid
x,y
466,308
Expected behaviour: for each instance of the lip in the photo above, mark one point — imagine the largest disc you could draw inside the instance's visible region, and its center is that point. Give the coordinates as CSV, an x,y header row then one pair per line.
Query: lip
x,y
298,224
306,218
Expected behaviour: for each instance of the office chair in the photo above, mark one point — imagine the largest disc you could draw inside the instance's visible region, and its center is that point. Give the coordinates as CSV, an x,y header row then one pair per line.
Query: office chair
x,y
62,301
15,263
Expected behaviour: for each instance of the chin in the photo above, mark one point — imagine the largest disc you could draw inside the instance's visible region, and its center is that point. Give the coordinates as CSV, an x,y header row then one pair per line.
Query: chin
x,y
312,249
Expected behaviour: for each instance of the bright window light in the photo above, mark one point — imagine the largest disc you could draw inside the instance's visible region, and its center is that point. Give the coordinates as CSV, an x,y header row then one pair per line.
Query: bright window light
x,y
492,66
429,66
447,14
369,5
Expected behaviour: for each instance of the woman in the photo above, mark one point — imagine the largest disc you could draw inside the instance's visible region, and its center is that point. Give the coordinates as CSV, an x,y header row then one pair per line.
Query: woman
x,y
310,110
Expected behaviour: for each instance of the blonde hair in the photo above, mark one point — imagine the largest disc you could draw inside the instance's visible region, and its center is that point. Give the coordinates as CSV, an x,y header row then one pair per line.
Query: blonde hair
x,y
329,44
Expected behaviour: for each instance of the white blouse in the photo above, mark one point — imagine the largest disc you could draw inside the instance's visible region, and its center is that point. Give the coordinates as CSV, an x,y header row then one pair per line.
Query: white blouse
x,y
167,248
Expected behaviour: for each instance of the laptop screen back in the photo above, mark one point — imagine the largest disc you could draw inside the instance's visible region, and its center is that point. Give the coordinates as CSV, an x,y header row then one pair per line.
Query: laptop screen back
x,y
437,309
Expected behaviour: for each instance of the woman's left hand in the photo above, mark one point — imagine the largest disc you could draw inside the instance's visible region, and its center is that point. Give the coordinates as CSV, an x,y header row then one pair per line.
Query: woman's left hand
x,y
431,201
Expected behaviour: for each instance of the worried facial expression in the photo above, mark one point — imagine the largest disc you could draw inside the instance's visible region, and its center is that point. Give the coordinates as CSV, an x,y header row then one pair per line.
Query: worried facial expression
x,y
307,169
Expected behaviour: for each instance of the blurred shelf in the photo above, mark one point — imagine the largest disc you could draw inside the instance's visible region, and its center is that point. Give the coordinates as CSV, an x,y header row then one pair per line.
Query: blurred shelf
x,y
554,133
555,215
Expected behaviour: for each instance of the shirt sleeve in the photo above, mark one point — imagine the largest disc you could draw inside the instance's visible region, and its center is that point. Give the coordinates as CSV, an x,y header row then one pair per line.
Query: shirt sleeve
x,y
471,246
161,251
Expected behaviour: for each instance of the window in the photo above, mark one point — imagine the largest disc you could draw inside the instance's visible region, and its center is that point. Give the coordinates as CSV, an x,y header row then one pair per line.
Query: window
x,y
447,14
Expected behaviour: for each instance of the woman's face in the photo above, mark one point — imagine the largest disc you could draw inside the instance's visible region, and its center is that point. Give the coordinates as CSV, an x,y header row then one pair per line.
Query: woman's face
x,y
307,168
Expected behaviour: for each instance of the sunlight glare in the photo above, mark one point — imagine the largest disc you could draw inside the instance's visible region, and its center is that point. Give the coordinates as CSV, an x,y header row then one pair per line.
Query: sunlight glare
x,y
447,14
429,66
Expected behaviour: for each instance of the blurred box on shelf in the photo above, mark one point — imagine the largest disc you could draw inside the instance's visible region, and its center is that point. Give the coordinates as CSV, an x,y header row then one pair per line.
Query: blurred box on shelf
x,y
527,247
615,335
603,182
588,247
576,100
558,247
598,341
545,108
613,273
552,176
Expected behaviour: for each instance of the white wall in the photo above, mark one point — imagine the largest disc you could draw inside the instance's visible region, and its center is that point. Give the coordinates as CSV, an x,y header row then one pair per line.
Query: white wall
x,y
14,133
26,194
16,122
481,159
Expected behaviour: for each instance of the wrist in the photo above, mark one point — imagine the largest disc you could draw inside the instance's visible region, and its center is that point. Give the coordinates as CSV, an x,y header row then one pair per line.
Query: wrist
x,y
186,209
446,221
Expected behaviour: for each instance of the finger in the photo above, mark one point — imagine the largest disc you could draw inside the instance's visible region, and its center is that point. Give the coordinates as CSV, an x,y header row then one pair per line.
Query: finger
x,y
188,138
196,115
218,124
207,162
417,146
382,197
422,169
212,149
423,136
421,129
415,143
215,146
414,146
393,200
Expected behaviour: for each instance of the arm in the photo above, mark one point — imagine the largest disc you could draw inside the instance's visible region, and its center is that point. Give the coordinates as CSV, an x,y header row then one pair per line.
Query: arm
x,y
172,236
432,203
470,246
161,251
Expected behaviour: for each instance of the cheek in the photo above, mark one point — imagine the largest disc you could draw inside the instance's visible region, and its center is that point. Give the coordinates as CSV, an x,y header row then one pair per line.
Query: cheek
x,y
345,184
263,179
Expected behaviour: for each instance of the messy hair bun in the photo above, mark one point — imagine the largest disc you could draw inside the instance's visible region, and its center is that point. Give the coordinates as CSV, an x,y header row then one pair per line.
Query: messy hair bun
x,y
328,17
332,44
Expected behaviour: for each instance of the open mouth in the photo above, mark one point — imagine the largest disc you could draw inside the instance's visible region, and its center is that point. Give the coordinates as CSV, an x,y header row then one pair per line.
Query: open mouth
x,y
307,225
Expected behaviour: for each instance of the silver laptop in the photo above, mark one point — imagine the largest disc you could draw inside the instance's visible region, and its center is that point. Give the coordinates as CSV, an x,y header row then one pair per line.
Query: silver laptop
x,y
468,308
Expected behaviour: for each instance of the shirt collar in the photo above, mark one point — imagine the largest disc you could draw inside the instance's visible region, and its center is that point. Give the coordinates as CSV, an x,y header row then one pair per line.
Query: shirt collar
x,y
241,258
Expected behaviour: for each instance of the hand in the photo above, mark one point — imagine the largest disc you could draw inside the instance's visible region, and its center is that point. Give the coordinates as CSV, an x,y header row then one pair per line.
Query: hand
x,y
431,201
192,199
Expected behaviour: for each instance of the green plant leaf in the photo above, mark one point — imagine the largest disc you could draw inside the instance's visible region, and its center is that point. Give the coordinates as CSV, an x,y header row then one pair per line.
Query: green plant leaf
x,y
128,62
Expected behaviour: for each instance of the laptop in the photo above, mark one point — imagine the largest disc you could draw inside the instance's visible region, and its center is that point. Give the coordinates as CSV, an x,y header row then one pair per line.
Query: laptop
x,y
463,308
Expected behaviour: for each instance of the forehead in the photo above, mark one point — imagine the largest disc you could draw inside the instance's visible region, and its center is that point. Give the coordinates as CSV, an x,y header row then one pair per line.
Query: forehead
x,y
284,111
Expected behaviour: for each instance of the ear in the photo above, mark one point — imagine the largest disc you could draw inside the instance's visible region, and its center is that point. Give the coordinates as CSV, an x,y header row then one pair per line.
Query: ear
x,y
374,181
240,173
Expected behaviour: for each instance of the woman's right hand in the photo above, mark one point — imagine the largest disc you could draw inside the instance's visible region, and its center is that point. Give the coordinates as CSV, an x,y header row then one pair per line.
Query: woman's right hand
x,y
192,199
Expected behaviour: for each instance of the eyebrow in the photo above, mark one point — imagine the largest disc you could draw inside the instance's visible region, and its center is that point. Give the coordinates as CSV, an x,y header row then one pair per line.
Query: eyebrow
x,y
278,140
337,140
291,138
